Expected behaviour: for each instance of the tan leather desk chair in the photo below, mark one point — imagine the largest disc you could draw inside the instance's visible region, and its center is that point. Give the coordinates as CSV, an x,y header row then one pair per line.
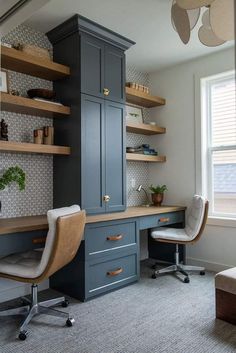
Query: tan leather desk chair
x,y
66,227
195,224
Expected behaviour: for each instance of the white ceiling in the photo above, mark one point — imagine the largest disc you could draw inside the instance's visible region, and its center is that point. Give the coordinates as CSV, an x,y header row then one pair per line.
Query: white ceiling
x,y
147,22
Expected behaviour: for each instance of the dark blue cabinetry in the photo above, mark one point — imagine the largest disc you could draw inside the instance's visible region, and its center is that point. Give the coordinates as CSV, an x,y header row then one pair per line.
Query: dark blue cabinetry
x,y
102,69
94,175
92,65
107,259
102,155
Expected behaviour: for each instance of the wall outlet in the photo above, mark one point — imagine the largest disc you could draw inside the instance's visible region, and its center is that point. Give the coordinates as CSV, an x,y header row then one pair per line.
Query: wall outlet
x,y
133,183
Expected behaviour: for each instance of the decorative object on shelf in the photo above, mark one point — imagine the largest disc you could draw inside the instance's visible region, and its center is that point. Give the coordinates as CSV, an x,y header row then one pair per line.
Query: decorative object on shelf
x,y
139,189
143,149
217,21
48,135
17,46
153,123
41,93
134,114
33,50
38,136
138,87
14,92
3,131
3,81
11,175
7,45
158,194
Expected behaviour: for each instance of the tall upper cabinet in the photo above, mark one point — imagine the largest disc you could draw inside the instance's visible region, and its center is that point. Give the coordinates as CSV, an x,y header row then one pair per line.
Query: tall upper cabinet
x,y
94,175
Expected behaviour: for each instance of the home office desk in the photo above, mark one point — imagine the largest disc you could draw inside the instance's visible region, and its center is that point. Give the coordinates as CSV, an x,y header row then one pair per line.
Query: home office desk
x,y
108,257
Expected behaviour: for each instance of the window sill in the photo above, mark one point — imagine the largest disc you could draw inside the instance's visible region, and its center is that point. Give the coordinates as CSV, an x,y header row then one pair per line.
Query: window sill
x,y
221,222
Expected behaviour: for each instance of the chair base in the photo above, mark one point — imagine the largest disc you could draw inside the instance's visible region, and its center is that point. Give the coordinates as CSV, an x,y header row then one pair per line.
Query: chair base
x,y
181,269
177,267
35,308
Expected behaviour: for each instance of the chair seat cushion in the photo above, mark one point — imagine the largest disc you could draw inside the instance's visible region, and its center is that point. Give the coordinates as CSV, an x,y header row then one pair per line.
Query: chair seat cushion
x,y
226,280
24,265
170,234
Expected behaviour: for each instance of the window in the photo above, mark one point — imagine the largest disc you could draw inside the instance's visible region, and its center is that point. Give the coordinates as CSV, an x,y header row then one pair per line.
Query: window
x,y
219,143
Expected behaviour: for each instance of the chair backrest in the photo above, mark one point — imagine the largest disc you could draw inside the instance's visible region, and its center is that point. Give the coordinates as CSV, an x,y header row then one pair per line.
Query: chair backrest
x,y
66,228
197,217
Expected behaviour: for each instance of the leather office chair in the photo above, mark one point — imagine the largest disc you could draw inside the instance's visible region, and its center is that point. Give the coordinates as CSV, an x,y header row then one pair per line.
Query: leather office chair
x,y
66,227
195,224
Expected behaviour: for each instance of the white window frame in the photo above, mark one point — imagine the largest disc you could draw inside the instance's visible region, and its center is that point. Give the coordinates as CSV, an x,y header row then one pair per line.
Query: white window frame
x,y
203,149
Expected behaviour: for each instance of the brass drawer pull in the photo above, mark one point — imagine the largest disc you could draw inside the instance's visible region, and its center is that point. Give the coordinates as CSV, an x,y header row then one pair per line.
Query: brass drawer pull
x,y
106,198
39,240
106,91
115,237
115,272
162,220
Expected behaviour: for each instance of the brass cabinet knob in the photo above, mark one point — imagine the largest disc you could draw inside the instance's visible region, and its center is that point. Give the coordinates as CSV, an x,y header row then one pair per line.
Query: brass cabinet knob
x,y
106,198
106,91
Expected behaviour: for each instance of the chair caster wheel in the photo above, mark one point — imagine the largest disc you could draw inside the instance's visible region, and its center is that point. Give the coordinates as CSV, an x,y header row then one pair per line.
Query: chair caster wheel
x,y
70,322
154,276
202,273
22,335
65,303
186,280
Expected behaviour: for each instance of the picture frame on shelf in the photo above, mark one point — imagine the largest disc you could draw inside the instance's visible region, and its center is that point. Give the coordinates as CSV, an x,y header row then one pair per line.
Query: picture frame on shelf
x,y
134,114
3,81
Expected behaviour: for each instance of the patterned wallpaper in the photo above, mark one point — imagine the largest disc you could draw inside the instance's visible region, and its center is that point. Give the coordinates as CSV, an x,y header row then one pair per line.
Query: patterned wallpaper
x,y
137,170
37,198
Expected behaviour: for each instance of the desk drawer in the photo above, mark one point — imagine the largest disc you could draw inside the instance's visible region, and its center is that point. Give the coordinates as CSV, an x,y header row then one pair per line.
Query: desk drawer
x,y
100,239
112,274
161,220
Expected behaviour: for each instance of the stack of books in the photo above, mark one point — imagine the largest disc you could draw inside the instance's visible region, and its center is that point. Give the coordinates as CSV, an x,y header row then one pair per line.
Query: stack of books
x,y
143,149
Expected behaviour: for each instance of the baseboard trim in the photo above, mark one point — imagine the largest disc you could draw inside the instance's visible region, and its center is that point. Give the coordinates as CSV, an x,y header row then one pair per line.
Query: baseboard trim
x,y
19,290
210,266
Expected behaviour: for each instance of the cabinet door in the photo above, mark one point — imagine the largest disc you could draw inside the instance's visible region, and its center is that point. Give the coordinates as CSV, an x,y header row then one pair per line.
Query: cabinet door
x,y
114,73
92,64
115,156
92,154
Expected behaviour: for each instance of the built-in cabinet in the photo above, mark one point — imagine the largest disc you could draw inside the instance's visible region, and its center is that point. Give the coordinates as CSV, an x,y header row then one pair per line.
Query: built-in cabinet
x,y
94,177
102,157
102,69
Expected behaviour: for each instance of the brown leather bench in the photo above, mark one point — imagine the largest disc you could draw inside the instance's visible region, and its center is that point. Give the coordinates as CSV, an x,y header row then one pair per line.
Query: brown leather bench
x,y
225,283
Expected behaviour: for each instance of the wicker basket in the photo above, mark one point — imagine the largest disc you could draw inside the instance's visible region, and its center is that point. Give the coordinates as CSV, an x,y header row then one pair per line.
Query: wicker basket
x,y
36,51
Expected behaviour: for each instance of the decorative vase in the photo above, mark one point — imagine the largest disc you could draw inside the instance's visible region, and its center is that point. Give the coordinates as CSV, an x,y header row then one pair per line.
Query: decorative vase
x,y
157,199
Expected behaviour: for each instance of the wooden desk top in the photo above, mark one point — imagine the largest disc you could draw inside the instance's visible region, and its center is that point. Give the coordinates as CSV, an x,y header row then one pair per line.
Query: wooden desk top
x,y
32,223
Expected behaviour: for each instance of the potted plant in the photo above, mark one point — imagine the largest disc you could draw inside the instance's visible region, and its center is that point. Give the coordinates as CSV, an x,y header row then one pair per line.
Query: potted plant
x,y
11,175
158,194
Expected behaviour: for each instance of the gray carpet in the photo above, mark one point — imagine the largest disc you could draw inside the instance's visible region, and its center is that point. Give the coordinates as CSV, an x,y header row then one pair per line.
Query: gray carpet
x,y
163,315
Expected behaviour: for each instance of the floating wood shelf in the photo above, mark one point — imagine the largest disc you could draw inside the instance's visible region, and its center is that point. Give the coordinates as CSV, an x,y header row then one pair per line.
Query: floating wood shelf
x,y
137,157
15,60
29,106
23,147
143,99
144,129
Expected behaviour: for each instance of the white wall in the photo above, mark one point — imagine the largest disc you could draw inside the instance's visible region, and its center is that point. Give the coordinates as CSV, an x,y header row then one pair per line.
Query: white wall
x,y
217,247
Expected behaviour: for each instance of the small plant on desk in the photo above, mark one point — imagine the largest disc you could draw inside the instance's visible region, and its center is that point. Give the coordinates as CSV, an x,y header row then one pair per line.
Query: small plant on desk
x,y
11,175
158,194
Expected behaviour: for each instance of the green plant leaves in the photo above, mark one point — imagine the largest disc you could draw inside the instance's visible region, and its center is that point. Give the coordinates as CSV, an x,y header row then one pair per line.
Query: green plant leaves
x,y
159,189
13,174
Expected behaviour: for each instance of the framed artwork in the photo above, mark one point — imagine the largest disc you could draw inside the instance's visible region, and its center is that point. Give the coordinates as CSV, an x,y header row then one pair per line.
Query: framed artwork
x,y
134,114
3,81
